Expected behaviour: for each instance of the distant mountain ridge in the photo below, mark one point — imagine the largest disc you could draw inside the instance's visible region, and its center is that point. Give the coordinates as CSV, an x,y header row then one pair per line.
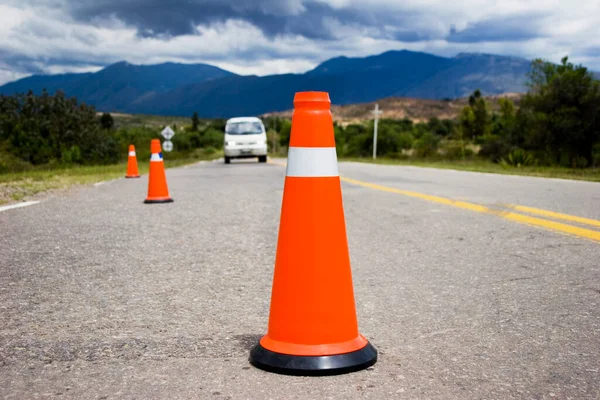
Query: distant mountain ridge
x,y
119,85
181,89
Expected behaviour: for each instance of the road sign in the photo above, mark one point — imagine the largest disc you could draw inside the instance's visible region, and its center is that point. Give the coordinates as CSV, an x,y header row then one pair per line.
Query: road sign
x,y
167,145
168,133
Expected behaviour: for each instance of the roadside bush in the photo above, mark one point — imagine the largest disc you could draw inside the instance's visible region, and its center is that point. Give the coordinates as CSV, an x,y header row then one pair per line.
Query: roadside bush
x,y
426,146
440,127
596,155
494,148
11,163
210,150
519,158
182,142
54,128
140,137
360,146
405,141
212,138
455,150
71,155
579,162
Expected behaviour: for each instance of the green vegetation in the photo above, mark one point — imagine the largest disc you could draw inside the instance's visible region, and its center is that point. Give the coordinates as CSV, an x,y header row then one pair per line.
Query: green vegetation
x,y
52,141
556,127
18,185
55,132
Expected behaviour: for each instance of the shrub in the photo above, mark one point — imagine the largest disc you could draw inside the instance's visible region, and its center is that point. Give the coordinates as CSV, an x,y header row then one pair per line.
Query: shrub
x,y
596,155
71,155
405,141
106,121
455,150
427,145
54,128
519,158
212,138
360,145
494,148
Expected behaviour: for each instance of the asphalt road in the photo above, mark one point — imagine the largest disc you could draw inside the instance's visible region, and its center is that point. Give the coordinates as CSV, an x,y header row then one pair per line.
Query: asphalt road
x,y
464,295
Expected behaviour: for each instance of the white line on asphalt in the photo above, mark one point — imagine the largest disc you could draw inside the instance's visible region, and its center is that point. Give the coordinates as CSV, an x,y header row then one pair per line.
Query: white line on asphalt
x,y
18,205
105,182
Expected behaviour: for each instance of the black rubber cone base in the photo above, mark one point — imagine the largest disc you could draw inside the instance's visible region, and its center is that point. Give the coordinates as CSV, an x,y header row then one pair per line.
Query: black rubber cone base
x,y
313,365
158,201
132,176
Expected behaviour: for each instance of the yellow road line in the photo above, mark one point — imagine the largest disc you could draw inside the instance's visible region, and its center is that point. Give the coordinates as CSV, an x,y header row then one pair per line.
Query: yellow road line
x,y
552,214
511,216
524,219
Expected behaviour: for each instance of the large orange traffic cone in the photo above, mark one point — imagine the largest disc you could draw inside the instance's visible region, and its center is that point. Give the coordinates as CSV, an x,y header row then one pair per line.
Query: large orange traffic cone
x,y
132,167
313,327
158,192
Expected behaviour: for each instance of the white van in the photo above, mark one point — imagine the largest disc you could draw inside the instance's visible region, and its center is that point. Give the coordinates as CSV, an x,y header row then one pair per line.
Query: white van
x,y
245,137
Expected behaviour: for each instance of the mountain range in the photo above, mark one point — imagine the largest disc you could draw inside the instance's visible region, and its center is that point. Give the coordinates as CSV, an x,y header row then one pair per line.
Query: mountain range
x,y
181,89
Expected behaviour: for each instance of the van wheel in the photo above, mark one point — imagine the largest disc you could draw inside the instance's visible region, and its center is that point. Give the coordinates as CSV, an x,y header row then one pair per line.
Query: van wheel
x,y
227,160
262,158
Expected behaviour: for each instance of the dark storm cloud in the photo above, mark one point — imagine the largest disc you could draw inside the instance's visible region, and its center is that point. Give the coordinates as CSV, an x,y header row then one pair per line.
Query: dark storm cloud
x,y
19,63
39,65
307,18
179,17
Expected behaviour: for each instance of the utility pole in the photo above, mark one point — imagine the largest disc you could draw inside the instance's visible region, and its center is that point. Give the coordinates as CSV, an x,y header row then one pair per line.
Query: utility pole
x,y
377,112
274,134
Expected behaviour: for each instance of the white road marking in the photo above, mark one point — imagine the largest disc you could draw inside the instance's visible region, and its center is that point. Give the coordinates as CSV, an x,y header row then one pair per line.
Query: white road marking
x,y
18,205
105,182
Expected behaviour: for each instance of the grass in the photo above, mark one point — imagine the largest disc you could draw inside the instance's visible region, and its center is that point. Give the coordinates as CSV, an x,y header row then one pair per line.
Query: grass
x,y
590,174
20,185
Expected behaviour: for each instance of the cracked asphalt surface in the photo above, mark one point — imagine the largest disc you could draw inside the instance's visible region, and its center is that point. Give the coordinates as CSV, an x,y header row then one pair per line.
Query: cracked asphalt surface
x,y
104,297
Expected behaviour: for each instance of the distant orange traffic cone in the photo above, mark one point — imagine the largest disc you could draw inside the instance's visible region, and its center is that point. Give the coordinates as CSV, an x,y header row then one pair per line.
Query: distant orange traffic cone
x,y
158,192
132,167
313,327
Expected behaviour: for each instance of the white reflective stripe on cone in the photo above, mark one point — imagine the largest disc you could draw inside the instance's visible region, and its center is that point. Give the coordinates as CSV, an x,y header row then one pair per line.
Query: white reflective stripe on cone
x,y
131,153
312,162
156,157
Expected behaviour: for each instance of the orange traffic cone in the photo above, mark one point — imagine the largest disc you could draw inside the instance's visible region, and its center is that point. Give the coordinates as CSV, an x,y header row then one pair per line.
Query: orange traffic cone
x,y
313,327
158,192
132,167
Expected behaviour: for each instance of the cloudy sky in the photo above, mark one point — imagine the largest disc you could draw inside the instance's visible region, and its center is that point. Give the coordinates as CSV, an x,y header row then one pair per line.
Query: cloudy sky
x,y
275,36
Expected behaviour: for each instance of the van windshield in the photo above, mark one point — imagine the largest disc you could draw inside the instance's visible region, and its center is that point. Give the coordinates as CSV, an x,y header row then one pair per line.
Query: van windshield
x,y
244,128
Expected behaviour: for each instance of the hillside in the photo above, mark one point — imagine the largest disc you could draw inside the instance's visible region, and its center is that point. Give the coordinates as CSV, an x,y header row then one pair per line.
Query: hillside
x,y
417,110
177,89
118,86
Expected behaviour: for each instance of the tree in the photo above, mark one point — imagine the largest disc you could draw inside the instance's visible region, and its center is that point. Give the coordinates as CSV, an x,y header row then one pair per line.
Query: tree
x,y
45,128
106,120
195,122
503,124
467,122
482,122
560,115
284,130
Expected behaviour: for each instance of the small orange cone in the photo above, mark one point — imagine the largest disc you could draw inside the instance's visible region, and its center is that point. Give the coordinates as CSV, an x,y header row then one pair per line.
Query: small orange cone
x,y
158,192
132,167
313,327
